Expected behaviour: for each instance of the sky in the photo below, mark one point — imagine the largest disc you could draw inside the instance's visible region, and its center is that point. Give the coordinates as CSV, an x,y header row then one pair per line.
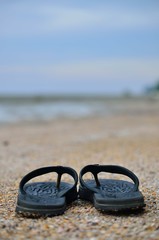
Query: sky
x,y
78,46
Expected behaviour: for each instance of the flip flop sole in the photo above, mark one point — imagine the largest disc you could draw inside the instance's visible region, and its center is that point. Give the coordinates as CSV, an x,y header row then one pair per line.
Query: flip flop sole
x,y
37,213
106,202
118,207
41,199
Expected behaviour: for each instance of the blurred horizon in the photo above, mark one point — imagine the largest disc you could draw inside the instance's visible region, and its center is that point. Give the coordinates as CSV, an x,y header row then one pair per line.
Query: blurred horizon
x,y
68,48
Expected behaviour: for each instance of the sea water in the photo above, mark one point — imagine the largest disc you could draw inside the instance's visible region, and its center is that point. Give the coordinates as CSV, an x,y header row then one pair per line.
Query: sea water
x,y
14,109
30,109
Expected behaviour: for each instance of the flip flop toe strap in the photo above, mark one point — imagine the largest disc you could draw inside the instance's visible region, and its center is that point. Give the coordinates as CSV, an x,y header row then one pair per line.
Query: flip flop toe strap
x,y
60,170
95,169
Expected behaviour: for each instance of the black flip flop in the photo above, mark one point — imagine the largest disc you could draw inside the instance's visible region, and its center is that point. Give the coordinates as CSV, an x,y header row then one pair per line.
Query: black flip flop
x,y
46,198
110,194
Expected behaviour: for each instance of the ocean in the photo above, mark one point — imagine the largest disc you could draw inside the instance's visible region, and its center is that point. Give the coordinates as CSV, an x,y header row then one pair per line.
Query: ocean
x,y
45,108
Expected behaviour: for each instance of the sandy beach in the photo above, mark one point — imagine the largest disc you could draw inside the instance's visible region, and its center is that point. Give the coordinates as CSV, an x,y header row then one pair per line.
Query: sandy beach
x,y
130,139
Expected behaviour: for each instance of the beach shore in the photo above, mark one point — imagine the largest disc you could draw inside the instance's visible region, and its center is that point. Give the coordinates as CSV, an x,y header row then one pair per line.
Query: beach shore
x,y
129,139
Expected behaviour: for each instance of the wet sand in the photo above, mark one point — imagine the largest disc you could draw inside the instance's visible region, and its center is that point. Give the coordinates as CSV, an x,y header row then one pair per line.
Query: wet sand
x,y
129,139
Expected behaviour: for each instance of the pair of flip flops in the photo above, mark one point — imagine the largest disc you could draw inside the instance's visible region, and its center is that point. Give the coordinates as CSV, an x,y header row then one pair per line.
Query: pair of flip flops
x,y
52,198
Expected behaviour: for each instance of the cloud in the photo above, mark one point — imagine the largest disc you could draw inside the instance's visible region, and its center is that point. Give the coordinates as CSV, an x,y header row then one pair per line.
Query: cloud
x,y
30,19
101,70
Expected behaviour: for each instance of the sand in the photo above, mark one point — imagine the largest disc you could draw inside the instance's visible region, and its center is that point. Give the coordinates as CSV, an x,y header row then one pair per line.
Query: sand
x,y
129,139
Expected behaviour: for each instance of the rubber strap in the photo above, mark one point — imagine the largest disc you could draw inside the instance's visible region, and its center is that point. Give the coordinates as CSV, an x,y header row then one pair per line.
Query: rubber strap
x,y
95,169
40,171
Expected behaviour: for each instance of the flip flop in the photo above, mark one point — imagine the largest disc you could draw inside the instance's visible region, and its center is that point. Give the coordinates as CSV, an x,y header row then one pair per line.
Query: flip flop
x,y
110,194
46,198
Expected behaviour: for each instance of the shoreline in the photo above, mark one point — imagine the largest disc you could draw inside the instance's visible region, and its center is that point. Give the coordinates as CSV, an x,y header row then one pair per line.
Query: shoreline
x,y
32,110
